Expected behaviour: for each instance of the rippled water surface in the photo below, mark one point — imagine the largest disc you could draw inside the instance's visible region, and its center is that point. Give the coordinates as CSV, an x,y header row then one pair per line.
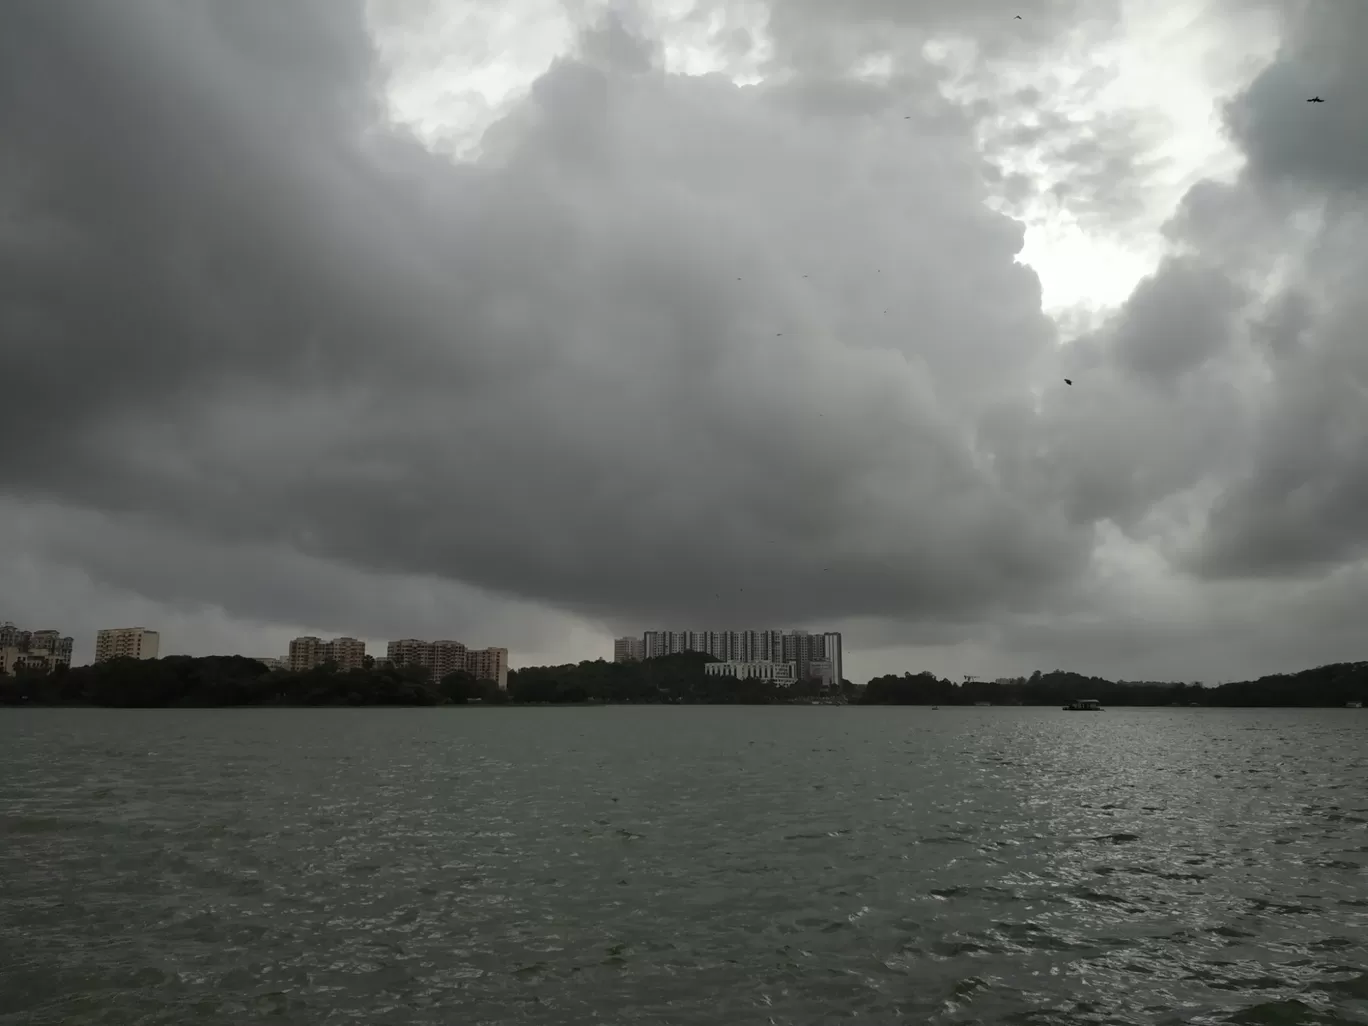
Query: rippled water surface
x,y
683,865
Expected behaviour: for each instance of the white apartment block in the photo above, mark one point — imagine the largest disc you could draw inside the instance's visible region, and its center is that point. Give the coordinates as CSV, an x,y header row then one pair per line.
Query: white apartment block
x,y
779,673
126,643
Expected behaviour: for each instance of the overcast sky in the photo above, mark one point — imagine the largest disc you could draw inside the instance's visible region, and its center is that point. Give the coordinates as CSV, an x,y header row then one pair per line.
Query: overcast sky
x,y
536,322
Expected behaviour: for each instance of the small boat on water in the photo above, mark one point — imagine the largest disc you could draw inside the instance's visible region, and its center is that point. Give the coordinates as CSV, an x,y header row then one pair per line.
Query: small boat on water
x,y
1084,705
934,708
1353,705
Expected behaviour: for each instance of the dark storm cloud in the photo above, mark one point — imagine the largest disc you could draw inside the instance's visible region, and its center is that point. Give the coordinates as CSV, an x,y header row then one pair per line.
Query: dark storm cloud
x,y
1177,319
610,356
1296,506
193,199
1320,146
671,349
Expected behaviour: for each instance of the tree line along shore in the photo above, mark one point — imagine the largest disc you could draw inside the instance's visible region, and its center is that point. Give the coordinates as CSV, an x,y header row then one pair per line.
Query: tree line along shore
x,y
229,681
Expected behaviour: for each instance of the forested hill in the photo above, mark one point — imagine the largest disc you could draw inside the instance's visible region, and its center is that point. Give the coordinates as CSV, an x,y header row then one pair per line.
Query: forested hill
x,y
1335,684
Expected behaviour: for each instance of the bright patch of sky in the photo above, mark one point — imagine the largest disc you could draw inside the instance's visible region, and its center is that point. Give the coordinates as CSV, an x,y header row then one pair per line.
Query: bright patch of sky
x,y
1171,67
457,65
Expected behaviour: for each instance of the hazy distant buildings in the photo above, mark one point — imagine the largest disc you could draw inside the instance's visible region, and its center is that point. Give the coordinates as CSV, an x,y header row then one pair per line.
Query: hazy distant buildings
x,y
309,652
272,662
43,650
779,673
628,650
126,643
813,655
443,657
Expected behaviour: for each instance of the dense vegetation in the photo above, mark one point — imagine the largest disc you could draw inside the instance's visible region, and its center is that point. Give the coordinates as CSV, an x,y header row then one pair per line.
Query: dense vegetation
x,y
238,681
1332,685
235,680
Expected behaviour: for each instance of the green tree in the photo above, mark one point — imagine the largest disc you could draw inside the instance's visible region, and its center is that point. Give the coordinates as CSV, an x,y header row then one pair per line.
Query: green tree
x,y
459,687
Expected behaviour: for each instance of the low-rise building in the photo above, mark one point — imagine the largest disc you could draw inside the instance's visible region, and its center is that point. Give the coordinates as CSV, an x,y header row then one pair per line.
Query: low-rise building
x,y
42,650
779,673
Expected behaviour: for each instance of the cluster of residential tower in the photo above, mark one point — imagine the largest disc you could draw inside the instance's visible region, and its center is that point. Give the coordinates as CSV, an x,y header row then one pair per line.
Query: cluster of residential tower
x,y
46,650
437,657
780,656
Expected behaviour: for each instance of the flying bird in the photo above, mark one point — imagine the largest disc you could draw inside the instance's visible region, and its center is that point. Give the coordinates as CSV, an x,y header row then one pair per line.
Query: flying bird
x,y
1018,17
1068,381
1315,99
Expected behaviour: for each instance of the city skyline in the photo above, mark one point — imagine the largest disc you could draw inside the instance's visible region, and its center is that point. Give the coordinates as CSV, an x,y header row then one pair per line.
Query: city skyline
x,y
816,653
47,648
801,647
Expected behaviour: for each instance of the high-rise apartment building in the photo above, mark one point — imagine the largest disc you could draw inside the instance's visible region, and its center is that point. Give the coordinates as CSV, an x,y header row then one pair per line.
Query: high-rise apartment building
x,y
305,653
347,653
443,657
309,652
126,643
812,654
448,657
834,656
489,664
409,652
628,650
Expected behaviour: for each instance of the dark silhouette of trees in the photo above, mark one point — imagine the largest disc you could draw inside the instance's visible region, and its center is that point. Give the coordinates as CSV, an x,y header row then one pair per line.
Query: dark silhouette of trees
x,y
1334,685
232,681
674,679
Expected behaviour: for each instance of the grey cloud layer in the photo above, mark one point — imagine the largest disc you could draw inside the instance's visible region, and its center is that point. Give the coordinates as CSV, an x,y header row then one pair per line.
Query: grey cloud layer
x,y
671,349
591,365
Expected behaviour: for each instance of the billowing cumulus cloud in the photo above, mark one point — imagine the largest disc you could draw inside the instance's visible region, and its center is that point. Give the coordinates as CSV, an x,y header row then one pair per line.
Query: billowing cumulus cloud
x,y
667,349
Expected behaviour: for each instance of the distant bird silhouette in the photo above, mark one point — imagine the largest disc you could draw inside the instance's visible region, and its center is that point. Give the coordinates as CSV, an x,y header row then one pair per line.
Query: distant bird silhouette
x,y
1018,17
1068,381
1315,99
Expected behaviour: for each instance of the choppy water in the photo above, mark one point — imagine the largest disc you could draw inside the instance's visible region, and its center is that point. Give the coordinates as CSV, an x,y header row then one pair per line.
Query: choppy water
x,y
726,866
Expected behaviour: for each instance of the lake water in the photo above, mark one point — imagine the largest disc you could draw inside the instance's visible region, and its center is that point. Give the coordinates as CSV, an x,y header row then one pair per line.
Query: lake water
x,y
683,865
